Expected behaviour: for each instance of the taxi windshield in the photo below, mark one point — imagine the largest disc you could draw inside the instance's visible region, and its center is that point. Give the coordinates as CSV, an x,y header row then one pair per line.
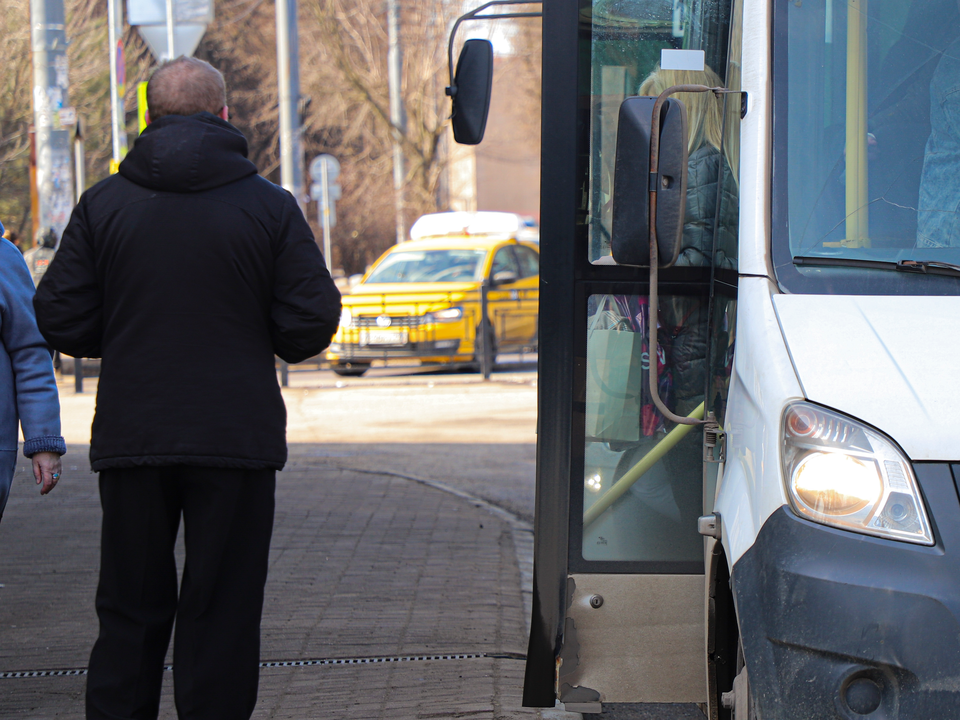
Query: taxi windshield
x,y
427,266
867,146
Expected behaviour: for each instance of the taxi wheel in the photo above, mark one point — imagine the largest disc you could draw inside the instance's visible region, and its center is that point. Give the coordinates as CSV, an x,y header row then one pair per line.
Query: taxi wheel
x,y
350,369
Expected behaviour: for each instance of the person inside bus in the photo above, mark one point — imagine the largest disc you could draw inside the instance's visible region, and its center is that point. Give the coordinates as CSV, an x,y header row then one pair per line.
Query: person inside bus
x,y
938,219
667,499
898,126
899,86
705,164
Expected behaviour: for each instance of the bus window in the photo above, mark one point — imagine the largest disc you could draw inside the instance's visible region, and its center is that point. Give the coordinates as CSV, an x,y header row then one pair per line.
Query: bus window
x,y
865,117
642,493
635,509
626,44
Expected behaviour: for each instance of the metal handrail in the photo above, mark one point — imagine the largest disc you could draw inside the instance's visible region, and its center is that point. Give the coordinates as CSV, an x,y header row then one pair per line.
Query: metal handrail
x,y
474,15
654,374
642,466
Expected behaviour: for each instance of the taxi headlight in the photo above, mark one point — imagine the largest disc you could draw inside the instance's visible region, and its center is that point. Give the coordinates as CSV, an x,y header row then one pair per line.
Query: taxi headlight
x,y
346,317
446,315
842,473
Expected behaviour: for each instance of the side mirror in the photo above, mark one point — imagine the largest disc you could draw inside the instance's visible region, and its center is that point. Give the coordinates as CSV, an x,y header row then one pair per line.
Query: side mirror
x,y
470,92
630,236
504,277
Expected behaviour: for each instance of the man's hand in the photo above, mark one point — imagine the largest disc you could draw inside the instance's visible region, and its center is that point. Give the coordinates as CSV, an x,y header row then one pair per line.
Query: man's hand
x,y
46,469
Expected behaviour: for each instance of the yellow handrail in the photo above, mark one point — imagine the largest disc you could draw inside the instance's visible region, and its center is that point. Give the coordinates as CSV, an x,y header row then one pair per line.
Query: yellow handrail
x,y
857,215
645,463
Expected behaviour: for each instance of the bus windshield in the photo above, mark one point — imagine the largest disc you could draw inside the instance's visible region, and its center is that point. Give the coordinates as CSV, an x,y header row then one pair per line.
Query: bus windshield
x,y
867,146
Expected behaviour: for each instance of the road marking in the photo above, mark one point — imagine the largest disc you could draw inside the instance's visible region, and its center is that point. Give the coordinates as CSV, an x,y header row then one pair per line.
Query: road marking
x,y
19,674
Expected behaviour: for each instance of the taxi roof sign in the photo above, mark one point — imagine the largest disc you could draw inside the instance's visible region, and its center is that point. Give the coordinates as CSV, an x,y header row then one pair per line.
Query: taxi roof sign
x,y
445,224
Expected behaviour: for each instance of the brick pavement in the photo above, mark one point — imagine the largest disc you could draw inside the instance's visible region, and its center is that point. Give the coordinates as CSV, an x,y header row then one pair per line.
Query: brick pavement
x,y
362,565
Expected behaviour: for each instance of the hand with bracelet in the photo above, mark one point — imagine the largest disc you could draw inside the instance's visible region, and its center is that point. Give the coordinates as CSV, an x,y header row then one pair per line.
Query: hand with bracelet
x,y
46,469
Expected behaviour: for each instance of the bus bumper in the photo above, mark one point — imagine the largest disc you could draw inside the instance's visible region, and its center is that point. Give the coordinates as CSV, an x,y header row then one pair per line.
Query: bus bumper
x,y
840,625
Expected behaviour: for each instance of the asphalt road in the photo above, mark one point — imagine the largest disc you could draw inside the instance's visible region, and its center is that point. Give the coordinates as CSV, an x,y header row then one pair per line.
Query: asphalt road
x,y
436,430
401,560
449,427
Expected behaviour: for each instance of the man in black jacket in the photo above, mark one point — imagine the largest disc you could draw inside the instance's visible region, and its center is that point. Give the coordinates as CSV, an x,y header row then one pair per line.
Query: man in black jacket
x,y
187,273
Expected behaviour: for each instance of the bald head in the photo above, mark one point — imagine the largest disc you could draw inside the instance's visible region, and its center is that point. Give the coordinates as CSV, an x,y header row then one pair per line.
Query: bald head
x,y
185,86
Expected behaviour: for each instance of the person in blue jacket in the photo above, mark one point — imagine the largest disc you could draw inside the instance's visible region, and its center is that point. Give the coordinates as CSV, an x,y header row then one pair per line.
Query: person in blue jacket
x,y
28,388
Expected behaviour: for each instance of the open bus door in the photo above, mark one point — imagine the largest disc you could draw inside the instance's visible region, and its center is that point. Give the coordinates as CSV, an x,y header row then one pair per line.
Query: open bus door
x,y
619,579
848,250
619,582
620,574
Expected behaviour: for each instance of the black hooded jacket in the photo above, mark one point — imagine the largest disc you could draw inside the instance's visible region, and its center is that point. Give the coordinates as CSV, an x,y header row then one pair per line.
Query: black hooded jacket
x,y
187,272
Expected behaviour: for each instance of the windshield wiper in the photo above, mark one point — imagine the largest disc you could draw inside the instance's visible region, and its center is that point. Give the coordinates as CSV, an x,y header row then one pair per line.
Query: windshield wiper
x,y
924,267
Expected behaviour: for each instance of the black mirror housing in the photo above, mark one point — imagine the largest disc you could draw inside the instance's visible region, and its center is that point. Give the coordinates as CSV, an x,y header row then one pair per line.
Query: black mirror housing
x,y
505,277
470,93
630,235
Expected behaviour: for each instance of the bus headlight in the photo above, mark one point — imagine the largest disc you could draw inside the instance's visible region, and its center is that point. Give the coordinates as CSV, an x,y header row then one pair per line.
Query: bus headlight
x,y
842,473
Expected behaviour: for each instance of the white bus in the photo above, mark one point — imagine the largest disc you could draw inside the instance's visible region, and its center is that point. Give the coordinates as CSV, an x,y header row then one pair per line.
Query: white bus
x,y
797,559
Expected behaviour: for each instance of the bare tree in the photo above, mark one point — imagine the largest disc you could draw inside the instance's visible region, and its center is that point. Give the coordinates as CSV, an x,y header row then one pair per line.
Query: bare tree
x,y
16,79
89,94
343,55
347,57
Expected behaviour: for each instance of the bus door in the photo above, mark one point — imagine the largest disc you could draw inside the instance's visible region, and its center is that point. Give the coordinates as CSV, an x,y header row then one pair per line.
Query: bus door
x,y
619,600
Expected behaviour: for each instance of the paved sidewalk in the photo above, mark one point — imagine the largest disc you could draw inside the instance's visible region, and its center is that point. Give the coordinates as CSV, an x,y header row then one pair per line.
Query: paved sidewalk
x,y
374,570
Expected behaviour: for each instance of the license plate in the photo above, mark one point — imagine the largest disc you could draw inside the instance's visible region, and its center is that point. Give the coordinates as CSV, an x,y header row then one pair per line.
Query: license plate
x,y
383,337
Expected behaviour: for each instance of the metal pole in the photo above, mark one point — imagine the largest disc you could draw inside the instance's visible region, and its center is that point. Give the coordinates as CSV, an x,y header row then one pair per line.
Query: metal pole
x,y
50,85
78,159
325,212
857,206
81,177
171,37
288,79
397,116
117,81
486,359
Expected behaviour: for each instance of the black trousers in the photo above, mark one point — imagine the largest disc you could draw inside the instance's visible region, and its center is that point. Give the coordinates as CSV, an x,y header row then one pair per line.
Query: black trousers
x,y
228,521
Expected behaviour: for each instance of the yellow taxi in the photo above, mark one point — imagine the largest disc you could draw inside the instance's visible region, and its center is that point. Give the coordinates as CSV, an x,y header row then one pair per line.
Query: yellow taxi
x,y
422,299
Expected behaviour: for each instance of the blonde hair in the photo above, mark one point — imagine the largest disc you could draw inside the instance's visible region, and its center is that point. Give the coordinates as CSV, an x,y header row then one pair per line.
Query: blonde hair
x,y
704,109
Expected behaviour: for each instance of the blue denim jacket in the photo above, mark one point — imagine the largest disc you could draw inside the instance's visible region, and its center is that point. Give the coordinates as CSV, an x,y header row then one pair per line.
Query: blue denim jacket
x,y
28,388
938,222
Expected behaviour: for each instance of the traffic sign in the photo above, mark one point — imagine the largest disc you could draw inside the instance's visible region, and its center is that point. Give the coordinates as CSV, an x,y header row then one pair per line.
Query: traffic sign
x,y
190,20
154,12
317,166
316,192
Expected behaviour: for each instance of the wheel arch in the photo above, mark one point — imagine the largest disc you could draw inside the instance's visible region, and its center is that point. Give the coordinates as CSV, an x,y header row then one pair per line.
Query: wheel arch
x,y
722,630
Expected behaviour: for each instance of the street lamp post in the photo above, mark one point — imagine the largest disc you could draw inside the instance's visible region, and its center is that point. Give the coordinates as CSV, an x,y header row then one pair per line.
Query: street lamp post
x,y
51,113
397,115
288,80
80,166
171,35
118,76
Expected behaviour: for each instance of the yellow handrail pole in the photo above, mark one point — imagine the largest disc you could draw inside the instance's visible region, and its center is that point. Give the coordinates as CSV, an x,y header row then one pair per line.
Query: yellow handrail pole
x,y
857,218
637,471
